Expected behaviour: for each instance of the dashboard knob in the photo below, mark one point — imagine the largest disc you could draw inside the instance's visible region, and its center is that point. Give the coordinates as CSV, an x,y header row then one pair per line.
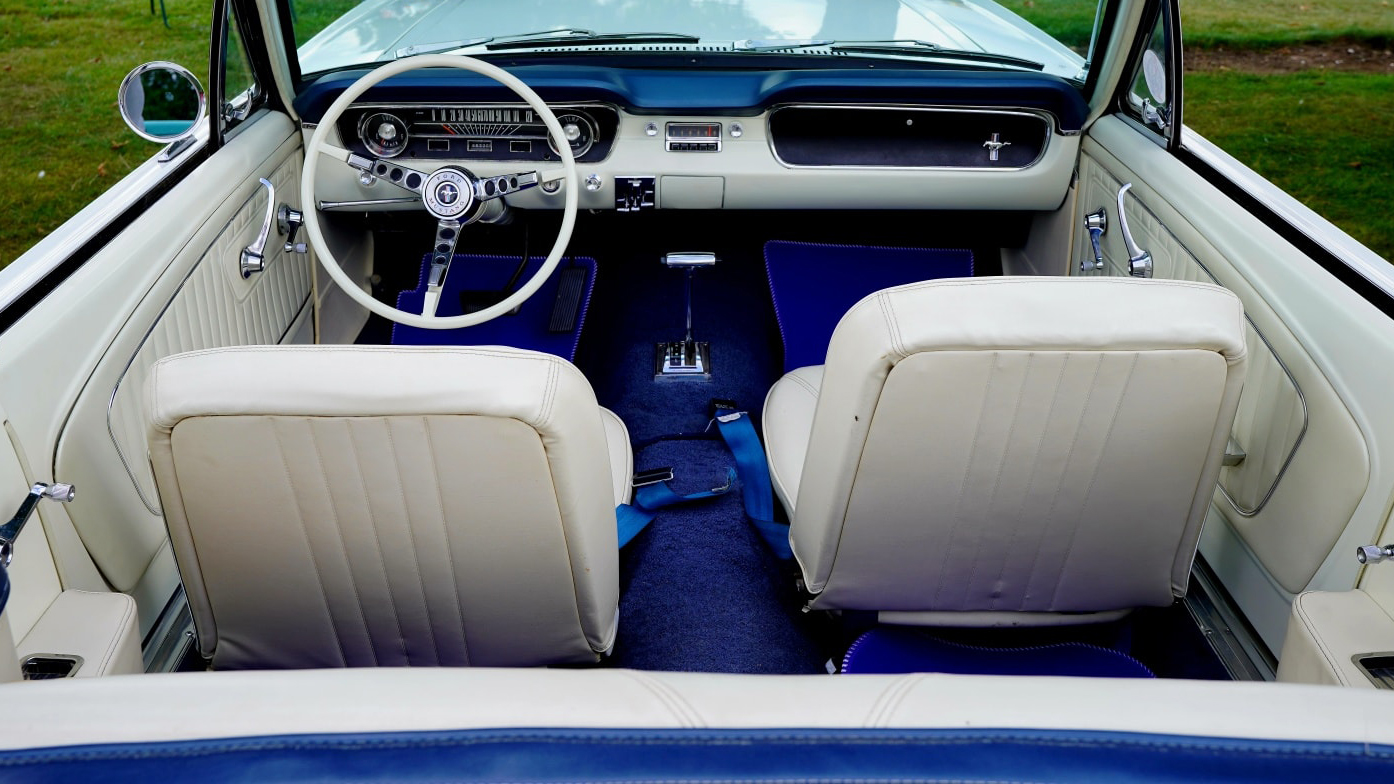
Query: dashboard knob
x,y
572,131
387,132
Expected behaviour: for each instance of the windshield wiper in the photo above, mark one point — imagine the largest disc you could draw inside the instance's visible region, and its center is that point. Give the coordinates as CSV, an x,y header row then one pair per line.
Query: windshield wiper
x,y
900,46
446,46
440,46
927,49
588,38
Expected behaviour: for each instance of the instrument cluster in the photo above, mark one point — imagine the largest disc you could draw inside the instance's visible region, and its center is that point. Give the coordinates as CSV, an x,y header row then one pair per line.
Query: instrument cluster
x,y
494,132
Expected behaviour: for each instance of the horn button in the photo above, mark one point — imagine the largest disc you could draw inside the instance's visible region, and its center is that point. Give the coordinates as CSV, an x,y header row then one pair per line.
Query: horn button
x,y
449,194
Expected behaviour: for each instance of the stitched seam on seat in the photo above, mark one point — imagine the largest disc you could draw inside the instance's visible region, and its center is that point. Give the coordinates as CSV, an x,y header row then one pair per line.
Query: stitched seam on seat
x,y
774,471
803,383
963,481
566,543
1306,618
445,532
893,325
681,709
411,540
891,699
1094,477
1069,458
377,540
300,518
544,414
120,632
338,530
1035,470
997,482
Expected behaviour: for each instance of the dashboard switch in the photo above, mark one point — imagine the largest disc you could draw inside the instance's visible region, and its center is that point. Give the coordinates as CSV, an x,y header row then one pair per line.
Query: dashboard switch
x,y
634,193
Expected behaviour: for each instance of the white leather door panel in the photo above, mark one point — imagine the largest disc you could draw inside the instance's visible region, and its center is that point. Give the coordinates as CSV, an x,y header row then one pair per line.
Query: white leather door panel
x,y
169,282
1286,519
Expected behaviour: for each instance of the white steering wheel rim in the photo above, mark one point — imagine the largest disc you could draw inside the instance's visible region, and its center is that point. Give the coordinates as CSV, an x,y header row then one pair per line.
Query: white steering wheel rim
x,y
311,209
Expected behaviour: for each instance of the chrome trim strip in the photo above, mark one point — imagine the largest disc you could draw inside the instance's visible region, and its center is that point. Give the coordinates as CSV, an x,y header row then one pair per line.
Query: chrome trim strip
x,y
329,206
1046,117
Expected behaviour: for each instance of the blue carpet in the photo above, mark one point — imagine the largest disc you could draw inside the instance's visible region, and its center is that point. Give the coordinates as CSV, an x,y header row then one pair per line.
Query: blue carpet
x,y
699,590
528,328
814,284
640,303
897,649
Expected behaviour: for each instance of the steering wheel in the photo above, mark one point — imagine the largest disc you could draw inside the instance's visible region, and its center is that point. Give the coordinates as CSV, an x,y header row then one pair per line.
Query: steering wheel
x,y
451,194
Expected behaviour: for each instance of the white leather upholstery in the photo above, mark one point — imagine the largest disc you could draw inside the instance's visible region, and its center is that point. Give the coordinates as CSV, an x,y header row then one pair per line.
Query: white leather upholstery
x,y
1009,448
335,506
99,627
1327,630
192,706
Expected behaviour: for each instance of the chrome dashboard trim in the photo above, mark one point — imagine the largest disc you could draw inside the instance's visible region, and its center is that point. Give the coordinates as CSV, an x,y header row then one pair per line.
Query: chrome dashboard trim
x,y
556,109
1052,129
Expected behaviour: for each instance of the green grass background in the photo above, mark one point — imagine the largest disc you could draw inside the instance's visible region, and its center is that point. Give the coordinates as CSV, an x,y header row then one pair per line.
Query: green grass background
x,y
1327,138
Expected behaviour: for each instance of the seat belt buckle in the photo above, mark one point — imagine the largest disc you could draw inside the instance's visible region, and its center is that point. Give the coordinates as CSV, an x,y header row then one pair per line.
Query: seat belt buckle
x,y
653,476
724,409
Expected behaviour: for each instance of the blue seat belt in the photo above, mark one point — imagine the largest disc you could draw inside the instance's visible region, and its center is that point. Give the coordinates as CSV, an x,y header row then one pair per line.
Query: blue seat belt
x,y
740,437
630,519
752,469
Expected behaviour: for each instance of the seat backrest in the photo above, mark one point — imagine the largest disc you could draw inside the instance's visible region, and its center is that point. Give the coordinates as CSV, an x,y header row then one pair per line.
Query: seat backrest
x,y
1017,450
361,506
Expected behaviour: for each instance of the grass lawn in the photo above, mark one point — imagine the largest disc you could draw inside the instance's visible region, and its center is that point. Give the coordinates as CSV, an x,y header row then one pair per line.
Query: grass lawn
x,y
63,142
1325,137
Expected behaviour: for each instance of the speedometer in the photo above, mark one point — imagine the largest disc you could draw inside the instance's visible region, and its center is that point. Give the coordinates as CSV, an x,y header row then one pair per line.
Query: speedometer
x,y
579,131
383,134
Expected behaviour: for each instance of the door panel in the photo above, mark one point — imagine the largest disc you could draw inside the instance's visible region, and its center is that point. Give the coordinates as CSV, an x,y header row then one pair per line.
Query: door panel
x,y
1312,483
169,282
202,301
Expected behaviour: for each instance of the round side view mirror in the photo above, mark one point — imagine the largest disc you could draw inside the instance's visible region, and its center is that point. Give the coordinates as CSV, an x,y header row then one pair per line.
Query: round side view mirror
x,y
162,102
1154,73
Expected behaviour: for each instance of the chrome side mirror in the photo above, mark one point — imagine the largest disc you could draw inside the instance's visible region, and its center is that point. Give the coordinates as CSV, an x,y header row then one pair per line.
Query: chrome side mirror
x,y
162,102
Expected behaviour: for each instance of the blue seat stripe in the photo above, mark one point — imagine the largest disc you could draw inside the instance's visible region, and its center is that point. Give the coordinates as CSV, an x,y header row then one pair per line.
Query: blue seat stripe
x,y
812,755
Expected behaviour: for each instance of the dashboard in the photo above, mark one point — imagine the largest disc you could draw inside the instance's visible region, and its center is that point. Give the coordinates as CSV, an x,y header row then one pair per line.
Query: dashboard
x,y
742,140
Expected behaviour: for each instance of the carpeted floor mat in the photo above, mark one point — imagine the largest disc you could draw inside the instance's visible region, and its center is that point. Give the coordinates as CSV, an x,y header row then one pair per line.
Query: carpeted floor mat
x,y
814,284
699,590
529,327
640,303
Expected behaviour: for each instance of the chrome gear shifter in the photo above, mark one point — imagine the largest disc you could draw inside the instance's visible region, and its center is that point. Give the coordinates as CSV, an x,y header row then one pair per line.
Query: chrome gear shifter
x,y
686,358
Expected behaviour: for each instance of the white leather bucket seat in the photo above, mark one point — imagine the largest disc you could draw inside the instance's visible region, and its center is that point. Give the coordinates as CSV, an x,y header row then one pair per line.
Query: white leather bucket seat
x,y
364,506
1009,450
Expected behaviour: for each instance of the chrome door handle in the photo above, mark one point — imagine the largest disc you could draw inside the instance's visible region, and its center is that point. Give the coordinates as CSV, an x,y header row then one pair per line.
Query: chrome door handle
x,y
1096,223
1139,260
254,255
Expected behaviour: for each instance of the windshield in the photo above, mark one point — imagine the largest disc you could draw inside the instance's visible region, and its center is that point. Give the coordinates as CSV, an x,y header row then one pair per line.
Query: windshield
x,y
1053,37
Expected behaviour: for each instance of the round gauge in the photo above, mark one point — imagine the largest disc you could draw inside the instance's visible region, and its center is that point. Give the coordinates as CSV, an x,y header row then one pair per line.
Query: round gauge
x,y
383,134
579,130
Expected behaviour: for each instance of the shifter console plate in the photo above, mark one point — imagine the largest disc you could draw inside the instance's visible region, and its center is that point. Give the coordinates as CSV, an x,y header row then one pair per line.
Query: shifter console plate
x,y
680,359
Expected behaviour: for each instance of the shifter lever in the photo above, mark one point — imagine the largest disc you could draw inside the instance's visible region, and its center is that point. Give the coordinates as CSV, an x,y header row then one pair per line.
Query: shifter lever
x,y
686,358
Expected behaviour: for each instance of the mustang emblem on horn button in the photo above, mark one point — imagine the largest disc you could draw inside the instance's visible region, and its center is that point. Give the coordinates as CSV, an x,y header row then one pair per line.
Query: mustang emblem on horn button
x,y
447,193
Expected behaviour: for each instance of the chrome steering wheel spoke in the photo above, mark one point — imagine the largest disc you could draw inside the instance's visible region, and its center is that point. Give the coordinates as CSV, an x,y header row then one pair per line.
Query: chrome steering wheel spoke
x,y
447,234
372,169
487,188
